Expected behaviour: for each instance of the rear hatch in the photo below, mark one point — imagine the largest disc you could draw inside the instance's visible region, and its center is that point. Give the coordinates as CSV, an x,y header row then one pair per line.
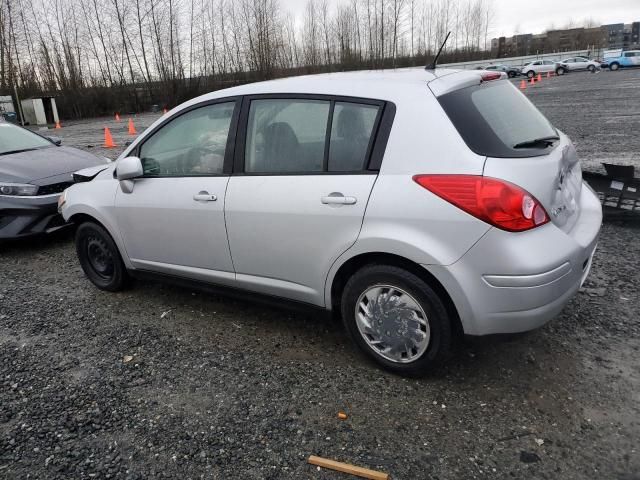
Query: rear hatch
x,y
520,145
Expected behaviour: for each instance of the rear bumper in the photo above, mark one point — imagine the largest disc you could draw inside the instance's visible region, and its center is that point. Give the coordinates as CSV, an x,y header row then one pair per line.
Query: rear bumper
x,y
26,216
514,282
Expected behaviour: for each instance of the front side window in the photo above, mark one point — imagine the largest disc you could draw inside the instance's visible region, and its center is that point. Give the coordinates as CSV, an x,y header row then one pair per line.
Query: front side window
x,y
192,144
290,136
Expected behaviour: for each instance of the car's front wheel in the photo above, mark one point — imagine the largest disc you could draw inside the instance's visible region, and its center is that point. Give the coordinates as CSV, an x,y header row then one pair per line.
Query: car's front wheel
x,y
99,258
561,71
397,319
531,74
614,66
591,68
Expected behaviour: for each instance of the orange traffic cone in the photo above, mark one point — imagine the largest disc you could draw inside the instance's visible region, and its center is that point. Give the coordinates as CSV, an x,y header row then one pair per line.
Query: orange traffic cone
x,y
132,129
58,126
539,77
548,74
117,117
532,80
108,140
523,85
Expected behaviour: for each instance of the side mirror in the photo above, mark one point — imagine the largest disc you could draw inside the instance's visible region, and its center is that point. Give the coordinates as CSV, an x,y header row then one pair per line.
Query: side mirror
x,y
127,169
56,140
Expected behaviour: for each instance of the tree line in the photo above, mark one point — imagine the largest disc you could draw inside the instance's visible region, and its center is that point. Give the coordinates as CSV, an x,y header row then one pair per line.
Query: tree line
x,y
101,56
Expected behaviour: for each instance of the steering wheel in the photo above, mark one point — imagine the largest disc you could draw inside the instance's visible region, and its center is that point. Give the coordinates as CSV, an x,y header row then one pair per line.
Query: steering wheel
x,y
193,158
150,166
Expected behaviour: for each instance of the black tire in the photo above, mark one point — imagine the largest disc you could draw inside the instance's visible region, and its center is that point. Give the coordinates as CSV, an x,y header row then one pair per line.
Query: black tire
x,y
591,68
531,74
560,71
614,66
439,321
100,259
511,74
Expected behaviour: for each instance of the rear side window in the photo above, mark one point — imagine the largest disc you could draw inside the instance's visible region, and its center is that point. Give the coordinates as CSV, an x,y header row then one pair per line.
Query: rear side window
x,y
309,136
351,136
285,136
494,117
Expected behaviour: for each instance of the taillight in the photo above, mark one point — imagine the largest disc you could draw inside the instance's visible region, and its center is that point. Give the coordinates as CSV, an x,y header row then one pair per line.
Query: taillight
x,y
487,77
499,203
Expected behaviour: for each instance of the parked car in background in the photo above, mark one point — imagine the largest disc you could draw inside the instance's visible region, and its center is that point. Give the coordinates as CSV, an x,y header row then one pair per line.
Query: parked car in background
x,y
581,63
532,69
509,70
616,59
399,199
34,170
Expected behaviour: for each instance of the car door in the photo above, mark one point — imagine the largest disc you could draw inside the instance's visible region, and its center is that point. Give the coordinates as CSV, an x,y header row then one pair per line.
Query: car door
x,y
631,59
298,198
571,63
173,220
547,66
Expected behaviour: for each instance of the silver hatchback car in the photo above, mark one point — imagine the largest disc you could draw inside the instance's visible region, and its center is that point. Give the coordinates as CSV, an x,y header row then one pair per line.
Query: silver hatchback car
x,y
416,204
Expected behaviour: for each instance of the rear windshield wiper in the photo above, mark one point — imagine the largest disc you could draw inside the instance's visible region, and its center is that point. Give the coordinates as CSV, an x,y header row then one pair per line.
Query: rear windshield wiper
x,y
543,142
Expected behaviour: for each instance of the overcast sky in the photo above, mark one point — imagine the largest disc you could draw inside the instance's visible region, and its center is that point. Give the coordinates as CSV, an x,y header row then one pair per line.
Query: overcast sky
x,y
534,16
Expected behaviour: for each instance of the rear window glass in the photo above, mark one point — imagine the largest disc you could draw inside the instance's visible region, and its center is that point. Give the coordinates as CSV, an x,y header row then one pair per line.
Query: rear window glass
x,y
493,117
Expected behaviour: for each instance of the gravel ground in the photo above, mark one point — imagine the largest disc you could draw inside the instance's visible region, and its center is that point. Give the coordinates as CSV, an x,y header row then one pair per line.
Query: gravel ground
x,y
165,382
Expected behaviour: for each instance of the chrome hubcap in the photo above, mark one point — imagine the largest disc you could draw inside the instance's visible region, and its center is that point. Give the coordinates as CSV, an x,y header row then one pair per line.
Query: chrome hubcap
x,y
392,323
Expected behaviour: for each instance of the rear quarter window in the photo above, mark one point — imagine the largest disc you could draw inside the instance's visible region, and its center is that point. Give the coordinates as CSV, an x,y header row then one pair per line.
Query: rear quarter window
x,y
493,117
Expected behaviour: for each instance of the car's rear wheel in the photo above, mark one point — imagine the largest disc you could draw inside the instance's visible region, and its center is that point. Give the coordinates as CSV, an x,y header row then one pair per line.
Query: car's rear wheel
x,y
560,71
397,319
99,258
511,74
614,66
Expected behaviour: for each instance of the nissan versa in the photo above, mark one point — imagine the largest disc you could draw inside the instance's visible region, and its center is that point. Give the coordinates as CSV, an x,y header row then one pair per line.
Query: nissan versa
x,y
417,204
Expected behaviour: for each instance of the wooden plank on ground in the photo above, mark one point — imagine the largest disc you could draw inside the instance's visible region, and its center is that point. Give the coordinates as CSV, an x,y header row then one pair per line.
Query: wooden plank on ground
x,y
346,468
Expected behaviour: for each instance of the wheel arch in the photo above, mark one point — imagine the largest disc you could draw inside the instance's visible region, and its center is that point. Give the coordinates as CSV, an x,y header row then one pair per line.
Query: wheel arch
x,y
80,216
353,264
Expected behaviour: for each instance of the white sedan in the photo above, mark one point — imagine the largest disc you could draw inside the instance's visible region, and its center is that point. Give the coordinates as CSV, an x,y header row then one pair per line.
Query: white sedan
x,y
532,69
581,63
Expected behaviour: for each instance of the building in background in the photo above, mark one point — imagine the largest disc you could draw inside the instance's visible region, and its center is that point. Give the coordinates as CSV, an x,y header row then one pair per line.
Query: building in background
x,y
40,111
612,36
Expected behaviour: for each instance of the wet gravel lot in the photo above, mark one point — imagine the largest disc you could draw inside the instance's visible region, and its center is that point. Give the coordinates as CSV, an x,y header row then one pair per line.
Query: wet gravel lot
x,y
166,382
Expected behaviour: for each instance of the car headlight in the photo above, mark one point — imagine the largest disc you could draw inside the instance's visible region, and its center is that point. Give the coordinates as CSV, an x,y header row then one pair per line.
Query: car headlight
x,y
62,199
18,189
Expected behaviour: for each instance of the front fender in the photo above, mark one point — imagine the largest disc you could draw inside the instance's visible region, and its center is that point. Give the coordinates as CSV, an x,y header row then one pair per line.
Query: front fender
x,y
96,199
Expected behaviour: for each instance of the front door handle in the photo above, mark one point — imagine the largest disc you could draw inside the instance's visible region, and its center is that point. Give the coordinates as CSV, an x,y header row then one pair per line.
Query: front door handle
x,y
336,198
204,196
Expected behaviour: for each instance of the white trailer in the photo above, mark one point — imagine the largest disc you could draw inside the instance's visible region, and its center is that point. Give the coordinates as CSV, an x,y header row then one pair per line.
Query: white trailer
x,y
40,111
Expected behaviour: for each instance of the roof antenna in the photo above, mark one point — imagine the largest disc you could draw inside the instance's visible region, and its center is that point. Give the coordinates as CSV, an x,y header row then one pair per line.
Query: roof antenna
x,y
432,65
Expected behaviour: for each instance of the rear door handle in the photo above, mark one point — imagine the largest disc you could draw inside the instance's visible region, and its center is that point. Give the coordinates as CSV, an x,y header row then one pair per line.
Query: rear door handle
x,y
338,199
204,197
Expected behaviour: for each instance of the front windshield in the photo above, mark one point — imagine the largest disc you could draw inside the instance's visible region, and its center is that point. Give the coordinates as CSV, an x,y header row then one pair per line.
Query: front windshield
x,y
13,138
